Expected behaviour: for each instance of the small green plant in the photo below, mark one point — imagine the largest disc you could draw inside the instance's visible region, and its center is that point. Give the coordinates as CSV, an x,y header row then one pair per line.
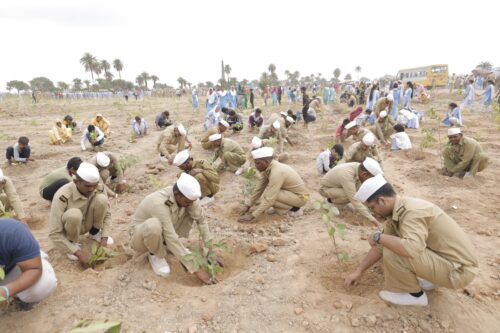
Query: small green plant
x,y
127,161
272,142
429,138
100,254
496,109
93,135
89,326
2,276
207,260
328,214
34,122
155,182
248,187
432,114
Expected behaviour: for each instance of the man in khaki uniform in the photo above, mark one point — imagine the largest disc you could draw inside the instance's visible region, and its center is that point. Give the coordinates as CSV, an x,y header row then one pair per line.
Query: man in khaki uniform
x,y
359,151
384,127
229,152
384,103
463,156
162,218
219,129
340,184
204,173
108,165
59,177
285,122
279,187
421,246
78,208
9,198
356,131
171,141
273,131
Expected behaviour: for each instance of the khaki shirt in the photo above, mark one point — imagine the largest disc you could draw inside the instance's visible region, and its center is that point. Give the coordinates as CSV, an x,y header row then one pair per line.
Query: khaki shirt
x,y
7,187
57,174
359,136
209,132
382,104
228,145
65,198
345,177
103,124
276,177
384,129
210,174
457,158
167,138
266,132
176,221
113,167
356,153
422,225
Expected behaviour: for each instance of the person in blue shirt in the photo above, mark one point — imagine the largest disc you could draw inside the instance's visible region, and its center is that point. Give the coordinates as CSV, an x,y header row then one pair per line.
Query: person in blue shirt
x,y
469,96
408,95
488,94
29,277
396,94
453,116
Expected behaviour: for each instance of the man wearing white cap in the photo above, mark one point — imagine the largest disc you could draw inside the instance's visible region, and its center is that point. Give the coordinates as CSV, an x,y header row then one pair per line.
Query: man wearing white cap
x,y
356,131
421,246
273,131
258,143
9,198
340,184
384,103
359,151
219,129
77,208
279,187
384,127
172,140
203,171
229,154
108,165
162,218
463,156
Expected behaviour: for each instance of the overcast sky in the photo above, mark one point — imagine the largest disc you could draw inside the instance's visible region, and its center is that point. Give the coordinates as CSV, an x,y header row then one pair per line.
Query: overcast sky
x,y
190,38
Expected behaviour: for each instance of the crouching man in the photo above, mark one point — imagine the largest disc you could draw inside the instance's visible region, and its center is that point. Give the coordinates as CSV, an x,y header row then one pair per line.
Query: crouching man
x,y
162,218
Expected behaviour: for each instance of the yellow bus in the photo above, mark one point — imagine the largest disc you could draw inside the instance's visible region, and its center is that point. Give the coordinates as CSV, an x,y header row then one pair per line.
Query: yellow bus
x,y
428,76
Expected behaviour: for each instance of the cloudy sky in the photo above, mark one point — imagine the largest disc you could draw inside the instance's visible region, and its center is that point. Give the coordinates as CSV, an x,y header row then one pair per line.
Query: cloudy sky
x,y
190,38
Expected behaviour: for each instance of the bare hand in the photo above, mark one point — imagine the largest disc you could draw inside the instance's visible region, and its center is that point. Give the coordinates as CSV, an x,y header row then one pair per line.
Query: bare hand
x,y
352,279
104,241
204,277
246,218
83,257
120,188
170,160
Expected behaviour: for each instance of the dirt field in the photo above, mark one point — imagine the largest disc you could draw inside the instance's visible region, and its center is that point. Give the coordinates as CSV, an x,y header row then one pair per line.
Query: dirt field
x,y
293,286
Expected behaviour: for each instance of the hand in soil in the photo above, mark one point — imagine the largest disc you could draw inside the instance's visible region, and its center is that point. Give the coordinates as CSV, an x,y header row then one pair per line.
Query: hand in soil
x,y
83,258
205,277
246,218
352,279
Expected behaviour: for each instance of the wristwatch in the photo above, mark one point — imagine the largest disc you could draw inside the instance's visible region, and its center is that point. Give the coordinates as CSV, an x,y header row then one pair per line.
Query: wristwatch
x,y
376,237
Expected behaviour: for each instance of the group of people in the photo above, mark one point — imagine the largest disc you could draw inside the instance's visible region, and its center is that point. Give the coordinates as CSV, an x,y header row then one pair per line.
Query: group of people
x,y
420,245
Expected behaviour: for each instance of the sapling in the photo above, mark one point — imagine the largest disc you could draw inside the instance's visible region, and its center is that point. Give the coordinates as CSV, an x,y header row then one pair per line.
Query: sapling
x,y
207,259
126,162
328,214
248,187
429,138
100,254
89,326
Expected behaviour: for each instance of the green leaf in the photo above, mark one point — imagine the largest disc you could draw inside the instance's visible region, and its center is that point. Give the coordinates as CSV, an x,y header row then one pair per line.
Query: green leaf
x,y
334,210
344,256
91,327
2,273
341,228
331,231
317,204
93,248
325,217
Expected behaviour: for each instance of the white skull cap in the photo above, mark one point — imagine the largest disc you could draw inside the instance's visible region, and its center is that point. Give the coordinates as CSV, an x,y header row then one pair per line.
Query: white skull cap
x,y
181,157
369,187
262,153
102,159
189,186
215,137
181,129
88,172
256,142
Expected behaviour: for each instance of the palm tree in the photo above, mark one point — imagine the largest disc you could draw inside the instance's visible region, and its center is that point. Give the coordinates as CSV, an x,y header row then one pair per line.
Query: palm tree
x,y
227,70
87,83
77,84
97,68
348,77
145,77
486,65
181,81
105,66
271,68
358,70
140,80
89,62
118,65
109,76
154,78
336,73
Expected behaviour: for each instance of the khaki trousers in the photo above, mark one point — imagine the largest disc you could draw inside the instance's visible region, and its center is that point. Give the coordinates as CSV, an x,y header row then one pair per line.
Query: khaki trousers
x,y
207,187
4,204
166,149
286,200
478,164
75,224
147,237
231,161
335,194
401,273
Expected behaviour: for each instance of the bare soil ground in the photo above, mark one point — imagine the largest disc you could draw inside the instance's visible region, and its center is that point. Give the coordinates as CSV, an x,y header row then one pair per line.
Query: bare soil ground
x,y
293,286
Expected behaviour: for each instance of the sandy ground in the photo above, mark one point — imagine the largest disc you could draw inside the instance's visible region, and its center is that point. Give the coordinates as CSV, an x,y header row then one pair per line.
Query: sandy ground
x,y
293,286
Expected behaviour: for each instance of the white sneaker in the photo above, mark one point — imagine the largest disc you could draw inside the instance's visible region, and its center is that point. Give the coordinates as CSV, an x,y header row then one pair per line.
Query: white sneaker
x,y
97,237
160,265
298,213
426,285
239,171
403,298
206,201
71,256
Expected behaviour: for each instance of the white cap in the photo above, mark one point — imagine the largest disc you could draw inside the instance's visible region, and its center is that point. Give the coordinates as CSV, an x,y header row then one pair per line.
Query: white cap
x,y
369,187
88,172
454,131
215,137
181,129
369,139
102,159
225,123
262,152
276,124
181,157
189,186
290,119
383,114
351,125
283,114
256,142
2,177
390,97
372,166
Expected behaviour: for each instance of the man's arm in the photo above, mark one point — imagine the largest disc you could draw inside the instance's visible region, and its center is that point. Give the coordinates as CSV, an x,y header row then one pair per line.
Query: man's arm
x,y
469,151
350,191
82,141
31,272
394,244
16,155
100,135
369,260
269,194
